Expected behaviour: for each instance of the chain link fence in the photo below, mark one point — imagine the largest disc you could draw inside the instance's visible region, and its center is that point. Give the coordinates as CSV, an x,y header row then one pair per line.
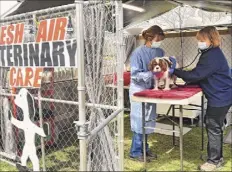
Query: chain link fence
x,y
60,150
185,48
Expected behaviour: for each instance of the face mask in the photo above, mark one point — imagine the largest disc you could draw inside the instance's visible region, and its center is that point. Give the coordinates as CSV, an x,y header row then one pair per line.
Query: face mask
x,y
202,45
156,44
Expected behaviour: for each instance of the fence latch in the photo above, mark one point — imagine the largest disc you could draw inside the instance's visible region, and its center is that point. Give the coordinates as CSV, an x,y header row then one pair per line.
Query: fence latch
x,y
82,130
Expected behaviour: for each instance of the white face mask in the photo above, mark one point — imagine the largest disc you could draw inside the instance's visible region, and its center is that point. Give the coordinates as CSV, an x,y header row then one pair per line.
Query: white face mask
x,y
156,44
202,45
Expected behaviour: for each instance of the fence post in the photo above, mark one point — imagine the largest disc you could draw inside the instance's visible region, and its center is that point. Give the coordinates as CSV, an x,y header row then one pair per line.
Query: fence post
x,y
81,82
120,82
41,125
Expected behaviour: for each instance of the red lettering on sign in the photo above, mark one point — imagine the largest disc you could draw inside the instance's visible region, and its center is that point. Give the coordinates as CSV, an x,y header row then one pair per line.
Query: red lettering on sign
x,y
11,34
25,77
52,30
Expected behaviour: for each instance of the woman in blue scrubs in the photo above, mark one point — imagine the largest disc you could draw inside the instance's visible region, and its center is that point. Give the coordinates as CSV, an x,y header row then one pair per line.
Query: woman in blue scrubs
x,y
141,79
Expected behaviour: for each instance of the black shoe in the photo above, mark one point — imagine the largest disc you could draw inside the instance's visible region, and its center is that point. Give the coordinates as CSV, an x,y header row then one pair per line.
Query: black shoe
x,y
151,155
21,168
140,159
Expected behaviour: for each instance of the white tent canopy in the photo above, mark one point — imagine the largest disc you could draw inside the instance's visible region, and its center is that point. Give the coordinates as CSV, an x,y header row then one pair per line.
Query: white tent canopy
x,y
182,17
6,7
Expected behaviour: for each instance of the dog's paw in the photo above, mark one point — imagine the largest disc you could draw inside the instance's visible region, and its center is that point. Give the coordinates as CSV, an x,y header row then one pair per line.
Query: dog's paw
x,y
155,89
166,89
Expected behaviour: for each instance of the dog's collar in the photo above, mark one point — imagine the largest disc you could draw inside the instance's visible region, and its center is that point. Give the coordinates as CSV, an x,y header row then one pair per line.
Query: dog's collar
x,y
158,75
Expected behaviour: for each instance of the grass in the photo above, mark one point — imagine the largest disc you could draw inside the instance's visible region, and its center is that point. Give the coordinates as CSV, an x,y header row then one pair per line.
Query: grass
x,y
168,156
6,167
65,158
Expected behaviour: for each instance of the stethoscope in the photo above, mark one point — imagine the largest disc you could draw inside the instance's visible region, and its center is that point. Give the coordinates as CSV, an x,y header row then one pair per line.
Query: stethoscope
x,y
199,52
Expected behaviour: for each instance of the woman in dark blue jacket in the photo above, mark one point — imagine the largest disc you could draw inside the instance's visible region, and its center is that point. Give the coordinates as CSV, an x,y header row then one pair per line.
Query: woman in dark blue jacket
x,y
213,74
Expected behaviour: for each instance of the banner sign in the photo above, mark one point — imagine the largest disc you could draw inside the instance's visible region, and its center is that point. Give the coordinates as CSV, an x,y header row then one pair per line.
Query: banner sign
x,y
25,77
50,49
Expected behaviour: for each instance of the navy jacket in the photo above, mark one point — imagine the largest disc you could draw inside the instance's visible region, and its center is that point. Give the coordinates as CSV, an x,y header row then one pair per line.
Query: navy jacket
x,y
213,75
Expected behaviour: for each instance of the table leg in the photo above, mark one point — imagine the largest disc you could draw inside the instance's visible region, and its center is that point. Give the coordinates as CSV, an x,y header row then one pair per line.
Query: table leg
x,y
202,122
173,125
181,137
144,134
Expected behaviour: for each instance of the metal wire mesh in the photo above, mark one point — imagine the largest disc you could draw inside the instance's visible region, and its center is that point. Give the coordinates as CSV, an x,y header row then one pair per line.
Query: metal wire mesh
x,y
185,49
99,74
60,95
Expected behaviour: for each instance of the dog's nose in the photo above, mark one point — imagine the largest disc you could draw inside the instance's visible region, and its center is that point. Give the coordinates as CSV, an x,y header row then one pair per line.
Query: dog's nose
x,y
157,67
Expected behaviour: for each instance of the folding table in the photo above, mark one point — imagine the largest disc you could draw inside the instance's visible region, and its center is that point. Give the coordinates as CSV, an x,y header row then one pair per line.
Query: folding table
x,y
177,96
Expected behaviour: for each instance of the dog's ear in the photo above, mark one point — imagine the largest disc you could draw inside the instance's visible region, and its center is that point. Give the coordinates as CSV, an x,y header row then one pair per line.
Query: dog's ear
x,y
168,62
163,65
31,105
151,65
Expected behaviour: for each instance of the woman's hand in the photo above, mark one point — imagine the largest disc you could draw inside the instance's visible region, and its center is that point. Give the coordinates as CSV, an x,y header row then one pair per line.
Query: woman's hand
x,y
173,60
172,68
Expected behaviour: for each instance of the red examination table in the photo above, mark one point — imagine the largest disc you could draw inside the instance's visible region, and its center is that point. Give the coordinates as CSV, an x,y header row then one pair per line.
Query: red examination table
x,y
184,95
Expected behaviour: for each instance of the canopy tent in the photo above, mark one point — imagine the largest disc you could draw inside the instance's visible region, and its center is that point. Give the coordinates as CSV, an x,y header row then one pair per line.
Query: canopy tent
x,y
208,5
150,9
183,17
7,7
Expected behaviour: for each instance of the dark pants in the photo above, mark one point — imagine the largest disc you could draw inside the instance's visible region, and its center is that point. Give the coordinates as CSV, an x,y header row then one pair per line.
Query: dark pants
x,y
214,120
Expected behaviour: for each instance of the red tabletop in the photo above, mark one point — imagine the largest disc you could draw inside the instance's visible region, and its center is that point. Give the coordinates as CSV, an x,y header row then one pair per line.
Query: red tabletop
x,y
175,93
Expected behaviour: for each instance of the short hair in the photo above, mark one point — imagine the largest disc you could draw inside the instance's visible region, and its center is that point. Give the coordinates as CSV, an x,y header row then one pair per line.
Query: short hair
x,y
211,33
152,32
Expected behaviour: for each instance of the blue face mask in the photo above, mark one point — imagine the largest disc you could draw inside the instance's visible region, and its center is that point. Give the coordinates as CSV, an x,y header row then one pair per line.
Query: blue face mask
x,y
202,45
156,44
